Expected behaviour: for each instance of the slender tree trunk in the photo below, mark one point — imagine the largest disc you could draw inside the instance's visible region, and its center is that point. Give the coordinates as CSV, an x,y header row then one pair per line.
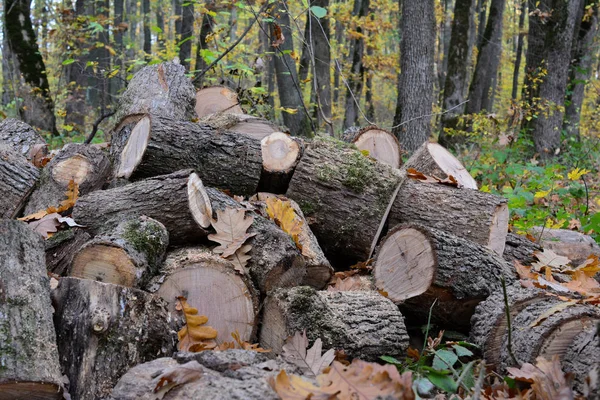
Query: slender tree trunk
x,y
581,64
205,30
535,48
415,89
339,38
482,13
147,32
38,107
187,31
519,54
270,72
177,11
357,70
98,83
160,24
369,103
304,64
131,19
319,35
120,27
445,43
481,90
75,74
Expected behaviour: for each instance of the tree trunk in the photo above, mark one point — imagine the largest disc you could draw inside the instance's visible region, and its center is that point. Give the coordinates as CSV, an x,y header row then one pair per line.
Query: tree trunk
x,y
97,81
481,91
120,28
205,30
160,24
482,14
177,12
28,353
362,323
32,86
147,48
519,54
415,91
187,33
304,63
535,49
319,33
17,179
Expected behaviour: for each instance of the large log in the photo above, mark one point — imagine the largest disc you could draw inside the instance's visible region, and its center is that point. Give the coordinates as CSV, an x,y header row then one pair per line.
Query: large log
x,y
129,255
574,245
344,194
62,247
362,323
382,145
17,179
213,286
85,165
217,99
28,354
177,201
520,248
473,215
103,330
23,138
255,127
417,265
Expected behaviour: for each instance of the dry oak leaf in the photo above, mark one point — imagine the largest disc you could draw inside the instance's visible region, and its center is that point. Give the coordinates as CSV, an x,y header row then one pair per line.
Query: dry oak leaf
x,y
231,226
584,284
310,361
282,212
351,283
194,336
72,194
414,174
278,37
177,375
590,267
46,225
240,258
238,343
548,258
546,377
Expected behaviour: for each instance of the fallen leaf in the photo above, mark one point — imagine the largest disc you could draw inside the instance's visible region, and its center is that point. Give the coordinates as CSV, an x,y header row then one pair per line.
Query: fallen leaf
x,y
548,258
583,284
240,258
414,174
36,215
546,377
348,284
194,336
231,226
48,224
524,272
310,361
69,221
590,267
72,194
551,311
177,375
282,212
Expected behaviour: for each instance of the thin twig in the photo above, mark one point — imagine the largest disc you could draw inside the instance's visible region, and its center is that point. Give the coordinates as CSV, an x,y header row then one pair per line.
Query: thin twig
x,y
427,329
508,322
429,115
587,197
101,118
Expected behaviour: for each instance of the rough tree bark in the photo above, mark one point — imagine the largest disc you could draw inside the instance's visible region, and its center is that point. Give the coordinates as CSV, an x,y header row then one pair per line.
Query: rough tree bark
x,y
17,179
415,88
22,138
319,35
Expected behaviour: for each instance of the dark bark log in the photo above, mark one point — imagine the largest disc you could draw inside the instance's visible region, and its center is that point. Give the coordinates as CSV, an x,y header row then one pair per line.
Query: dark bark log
x,y
535,48
187,33
519,55
85,165
160,24
61,248
217,99
22,138
130,255
482,15
103,330
28,352
304,63
97,88
177,11
415,88
362,323
519,248
416,265
344,195
17,179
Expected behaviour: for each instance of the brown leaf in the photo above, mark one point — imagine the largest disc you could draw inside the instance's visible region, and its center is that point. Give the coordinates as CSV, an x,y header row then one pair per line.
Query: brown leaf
x,y
590,267
72,194
37,155
414,174
351,283
194,336
310,362
278,38
240,258
524,271
547,378
282,212
177,375
161,78
583,283
231,226
48,224
548,258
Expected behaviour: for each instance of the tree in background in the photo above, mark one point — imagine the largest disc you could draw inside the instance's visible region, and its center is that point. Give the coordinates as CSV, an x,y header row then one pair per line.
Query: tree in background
x,y
321,60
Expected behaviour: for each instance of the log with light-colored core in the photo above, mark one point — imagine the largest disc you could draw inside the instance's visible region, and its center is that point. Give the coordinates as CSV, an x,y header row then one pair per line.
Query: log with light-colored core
x,y
499,229
75,168
200,206
381,145
279,152
104,263
217,99
214,287
134,149
249,125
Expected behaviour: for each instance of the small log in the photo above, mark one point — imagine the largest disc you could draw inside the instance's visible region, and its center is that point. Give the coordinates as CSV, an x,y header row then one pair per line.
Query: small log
x,y
519,248
178,201
28,353
87,166
22,138
415,265
103,330
255,127
213,286
280,155
470,214
217,99
17,179
382,145
434,160
364,324
344,195
532,336
571,244
130,255
61,248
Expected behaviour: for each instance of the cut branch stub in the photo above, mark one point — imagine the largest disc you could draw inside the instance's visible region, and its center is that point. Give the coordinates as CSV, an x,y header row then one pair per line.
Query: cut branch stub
x,y
199,201
217,99
134,149
381,145
280,155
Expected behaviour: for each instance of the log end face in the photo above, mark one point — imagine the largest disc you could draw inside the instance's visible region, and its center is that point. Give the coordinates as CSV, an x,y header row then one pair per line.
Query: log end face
x,y
451,166
499,229
104,264
76,168
199,202
30,391
135,148
217,99
279,152
381,145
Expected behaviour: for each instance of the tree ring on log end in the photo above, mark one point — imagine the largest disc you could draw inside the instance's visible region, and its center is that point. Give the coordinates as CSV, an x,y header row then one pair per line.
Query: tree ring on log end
x,y
279,152
405,264
451,166
217,99
135,148
199,202
381,145
498,229
104,263
562,337
29,390
74,168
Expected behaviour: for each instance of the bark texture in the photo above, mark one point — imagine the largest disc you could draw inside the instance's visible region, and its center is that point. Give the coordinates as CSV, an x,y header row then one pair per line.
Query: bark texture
x,y
187,32
17,179
255,127
520,248
22,137
319,35
62,247
519,55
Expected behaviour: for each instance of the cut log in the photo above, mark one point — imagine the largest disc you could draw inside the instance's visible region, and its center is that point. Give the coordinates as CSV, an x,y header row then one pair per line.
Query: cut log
x,y
87,166
571,244
178,201
213,286
217,99
519,248
280,154
343,195
470,214
255,127
582,358
532,334
364,324
61,248
130,255
318,268
434,160
103,330
381,145
22,138
17,179
28,352
415,265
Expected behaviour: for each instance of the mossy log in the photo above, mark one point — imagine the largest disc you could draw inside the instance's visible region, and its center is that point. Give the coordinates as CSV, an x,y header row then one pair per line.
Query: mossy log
x,y
129,255
103,330
470,214
62,247
344,194
23,138
83,164
362,323
177,201
255,127
532,334
17,179
213,286
217,100
382,145
520,248
417,265
28,353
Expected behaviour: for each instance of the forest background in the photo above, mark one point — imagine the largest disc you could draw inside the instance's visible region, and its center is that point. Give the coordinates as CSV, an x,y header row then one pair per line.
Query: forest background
x,y
512,86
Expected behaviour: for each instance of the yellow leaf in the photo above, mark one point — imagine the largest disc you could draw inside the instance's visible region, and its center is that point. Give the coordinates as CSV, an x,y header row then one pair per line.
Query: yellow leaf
x,y
577,174
72,194
288,110
113,73
285,217
193,336
544,193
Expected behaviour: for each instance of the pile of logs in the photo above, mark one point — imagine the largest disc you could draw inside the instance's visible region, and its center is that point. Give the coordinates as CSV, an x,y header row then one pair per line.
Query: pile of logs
x,y
146,208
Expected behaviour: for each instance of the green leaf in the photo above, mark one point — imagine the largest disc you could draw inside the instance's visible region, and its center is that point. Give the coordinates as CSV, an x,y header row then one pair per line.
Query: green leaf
x,y
68,61
466,378
318,12
155,29
391,360
444,360
461,351
444,382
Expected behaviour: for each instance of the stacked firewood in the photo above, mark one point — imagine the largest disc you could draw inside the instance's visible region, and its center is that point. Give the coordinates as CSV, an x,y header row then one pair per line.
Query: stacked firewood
x,y
151,208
